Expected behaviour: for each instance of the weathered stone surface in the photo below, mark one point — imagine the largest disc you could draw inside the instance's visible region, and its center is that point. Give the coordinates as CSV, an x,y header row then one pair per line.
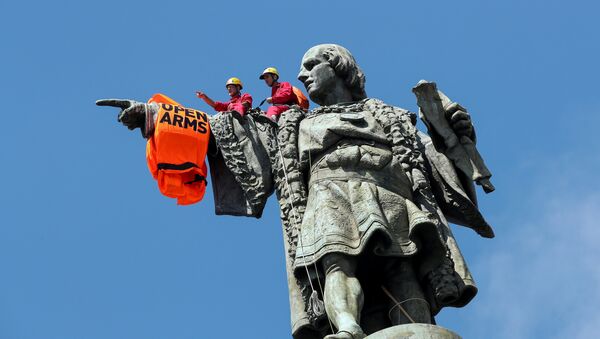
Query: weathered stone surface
x,y
414,331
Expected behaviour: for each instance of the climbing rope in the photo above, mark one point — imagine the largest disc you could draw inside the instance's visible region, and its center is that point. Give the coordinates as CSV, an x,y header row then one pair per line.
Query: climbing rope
x,y
317,306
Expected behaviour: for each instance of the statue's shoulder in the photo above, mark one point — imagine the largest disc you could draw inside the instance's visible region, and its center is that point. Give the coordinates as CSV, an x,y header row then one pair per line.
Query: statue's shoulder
x,y
292,116
384,111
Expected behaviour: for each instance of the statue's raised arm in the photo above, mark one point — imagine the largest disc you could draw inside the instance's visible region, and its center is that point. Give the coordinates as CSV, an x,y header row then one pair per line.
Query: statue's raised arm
x,y
450,126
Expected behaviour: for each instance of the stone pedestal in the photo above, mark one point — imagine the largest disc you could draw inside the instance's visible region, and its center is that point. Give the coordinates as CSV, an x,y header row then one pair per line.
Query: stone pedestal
x,y
414,331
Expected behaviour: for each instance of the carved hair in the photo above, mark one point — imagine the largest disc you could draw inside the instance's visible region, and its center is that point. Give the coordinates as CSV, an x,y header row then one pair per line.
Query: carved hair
x,y
346,67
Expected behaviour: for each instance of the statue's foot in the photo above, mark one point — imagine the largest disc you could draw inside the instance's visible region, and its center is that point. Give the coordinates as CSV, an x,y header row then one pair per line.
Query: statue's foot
x,y
347,335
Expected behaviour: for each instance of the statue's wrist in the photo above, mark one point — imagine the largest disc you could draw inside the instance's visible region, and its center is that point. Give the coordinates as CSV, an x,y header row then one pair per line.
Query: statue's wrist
x,y
149,122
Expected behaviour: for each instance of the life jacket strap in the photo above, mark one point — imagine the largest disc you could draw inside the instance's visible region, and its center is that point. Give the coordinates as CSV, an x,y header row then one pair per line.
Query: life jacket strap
x,y
179,167
197,178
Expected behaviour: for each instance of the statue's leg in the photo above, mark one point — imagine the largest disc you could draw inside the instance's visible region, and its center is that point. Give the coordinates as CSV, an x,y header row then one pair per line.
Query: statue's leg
x,y
408,304
343,295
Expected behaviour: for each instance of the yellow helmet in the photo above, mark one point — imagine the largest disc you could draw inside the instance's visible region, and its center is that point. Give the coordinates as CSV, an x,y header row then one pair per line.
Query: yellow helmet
x,y
234,81
271,70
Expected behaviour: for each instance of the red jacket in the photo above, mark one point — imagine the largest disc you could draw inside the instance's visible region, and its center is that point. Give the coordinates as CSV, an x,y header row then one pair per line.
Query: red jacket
x,y
283,94
235,104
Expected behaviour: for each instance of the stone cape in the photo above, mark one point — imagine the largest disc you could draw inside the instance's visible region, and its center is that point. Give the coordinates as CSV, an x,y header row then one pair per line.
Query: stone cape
x,y
255,156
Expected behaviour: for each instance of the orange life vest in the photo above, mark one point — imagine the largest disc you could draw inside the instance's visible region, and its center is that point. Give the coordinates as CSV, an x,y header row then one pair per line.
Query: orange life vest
x,y
300,98
176,151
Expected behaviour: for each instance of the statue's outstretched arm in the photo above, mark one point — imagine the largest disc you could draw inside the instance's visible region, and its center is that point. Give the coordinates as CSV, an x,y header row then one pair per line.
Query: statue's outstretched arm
x,y
134,114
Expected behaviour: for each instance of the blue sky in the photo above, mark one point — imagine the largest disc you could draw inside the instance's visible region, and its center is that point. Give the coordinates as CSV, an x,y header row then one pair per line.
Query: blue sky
x,y
90,249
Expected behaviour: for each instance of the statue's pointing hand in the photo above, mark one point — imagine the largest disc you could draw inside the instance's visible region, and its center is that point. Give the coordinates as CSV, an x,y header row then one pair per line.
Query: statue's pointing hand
x,y
133,113
460,120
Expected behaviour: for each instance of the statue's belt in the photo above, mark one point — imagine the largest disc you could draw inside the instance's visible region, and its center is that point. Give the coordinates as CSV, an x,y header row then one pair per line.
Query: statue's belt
x,y
395,181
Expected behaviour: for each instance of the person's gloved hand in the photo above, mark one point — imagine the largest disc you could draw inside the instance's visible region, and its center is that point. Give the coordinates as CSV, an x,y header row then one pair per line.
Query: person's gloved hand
x,y
133,113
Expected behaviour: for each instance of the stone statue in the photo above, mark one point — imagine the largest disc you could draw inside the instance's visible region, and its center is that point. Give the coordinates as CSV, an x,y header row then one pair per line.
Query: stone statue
x,y
365,198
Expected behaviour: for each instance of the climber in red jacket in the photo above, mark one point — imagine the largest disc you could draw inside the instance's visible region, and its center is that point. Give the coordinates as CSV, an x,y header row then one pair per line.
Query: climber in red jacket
x,y
239,102
282,93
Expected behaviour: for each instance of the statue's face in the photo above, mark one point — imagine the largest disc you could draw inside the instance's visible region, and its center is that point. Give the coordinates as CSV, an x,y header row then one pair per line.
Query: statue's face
x,y
317,75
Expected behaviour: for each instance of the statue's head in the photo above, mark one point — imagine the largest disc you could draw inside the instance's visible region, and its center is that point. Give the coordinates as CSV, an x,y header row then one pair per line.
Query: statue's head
x,y
329,68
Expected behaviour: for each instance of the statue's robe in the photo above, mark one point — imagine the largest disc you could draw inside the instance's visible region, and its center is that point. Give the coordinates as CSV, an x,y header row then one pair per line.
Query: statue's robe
x,y
255,156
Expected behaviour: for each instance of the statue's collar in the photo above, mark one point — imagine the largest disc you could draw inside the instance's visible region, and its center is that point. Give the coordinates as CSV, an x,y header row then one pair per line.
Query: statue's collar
x,y
341,107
